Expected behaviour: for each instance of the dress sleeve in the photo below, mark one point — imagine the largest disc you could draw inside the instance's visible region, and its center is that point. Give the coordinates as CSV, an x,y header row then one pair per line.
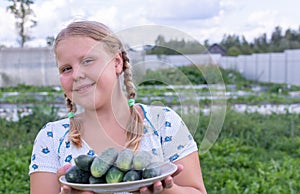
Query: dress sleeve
x,y
44,156
177,141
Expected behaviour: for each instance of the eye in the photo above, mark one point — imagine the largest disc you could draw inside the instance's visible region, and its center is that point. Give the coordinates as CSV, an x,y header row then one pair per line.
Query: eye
x,y
65,69
87,61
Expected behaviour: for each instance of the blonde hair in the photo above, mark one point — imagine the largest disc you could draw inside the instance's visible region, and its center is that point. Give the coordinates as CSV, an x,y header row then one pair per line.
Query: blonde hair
x,y
102,33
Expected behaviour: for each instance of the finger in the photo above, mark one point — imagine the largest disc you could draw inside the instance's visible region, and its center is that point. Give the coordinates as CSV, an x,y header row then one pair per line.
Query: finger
x,y
179,169
69,190
65,190
61,171
136,192
145,190
168,182
157,187
87,192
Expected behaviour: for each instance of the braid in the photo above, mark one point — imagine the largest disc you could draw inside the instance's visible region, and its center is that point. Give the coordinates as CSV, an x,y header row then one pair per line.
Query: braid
x,y
75,125
128,77
135,124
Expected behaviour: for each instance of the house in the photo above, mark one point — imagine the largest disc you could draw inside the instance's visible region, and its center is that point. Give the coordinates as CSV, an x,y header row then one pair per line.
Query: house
x,y
216,49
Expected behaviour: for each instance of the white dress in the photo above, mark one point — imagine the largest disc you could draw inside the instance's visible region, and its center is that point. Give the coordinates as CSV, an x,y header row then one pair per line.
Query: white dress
x,y
165,136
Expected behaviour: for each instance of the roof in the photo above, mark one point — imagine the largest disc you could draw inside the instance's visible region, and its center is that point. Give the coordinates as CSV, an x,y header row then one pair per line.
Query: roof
x,y
216,49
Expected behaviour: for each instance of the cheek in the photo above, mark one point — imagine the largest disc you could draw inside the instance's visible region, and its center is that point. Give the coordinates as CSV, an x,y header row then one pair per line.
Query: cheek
x,y
66,83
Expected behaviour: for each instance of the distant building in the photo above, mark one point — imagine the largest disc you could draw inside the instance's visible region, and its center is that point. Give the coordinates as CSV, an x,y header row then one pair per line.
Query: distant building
x,y
216,49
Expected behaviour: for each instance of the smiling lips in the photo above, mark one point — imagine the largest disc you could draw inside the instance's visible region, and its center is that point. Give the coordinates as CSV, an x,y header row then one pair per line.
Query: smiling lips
x,y
83,88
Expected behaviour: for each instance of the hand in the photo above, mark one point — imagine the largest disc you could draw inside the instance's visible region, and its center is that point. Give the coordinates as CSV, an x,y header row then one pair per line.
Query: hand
x,y
159,186
66,189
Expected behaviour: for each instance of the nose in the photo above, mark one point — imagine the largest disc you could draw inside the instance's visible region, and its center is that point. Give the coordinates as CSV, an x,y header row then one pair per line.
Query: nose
x,y
78,72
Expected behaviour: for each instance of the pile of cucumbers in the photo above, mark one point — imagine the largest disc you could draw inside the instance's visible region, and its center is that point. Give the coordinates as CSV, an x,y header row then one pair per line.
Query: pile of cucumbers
x,y
111,166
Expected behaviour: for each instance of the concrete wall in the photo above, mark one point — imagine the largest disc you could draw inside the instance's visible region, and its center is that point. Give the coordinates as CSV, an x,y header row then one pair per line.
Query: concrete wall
x,y
267,67
32,66
36,66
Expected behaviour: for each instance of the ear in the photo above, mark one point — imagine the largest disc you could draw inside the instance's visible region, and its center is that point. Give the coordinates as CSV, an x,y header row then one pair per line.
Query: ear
x,y
118,62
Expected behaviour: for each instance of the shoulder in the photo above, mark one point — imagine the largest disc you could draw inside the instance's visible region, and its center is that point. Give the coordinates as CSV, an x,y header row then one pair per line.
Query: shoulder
x,y
154,110
161,113
55,129
59,125
161,117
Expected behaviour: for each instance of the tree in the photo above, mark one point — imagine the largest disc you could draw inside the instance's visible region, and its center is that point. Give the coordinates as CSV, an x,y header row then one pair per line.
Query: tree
x,y
276,35
160,40
50,40
25,18
233,51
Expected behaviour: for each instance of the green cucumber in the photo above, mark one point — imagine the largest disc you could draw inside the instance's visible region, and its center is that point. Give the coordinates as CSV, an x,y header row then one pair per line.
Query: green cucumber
x,y
76,175
114,175
153,170
103,162
141,160
132,175
84,162
124,159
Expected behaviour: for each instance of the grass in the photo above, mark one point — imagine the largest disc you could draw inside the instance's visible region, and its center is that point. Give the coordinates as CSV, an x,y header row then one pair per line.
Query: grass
x,y
253,154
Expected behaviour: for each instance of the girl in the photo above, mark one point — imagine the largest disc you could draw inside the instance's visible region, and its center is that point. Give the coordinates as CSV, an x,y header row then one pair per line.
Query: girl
x,y
91,59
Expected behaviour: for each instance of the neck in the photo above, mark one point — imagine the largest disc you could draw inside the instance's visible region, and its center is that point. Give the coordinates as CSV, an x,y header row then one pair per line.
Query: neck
x,y
110,120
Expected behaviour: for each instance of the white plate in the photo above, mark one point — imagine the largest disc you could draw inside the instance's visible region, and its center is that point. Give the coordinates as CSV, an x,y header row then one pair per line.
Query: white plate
x,y
166,169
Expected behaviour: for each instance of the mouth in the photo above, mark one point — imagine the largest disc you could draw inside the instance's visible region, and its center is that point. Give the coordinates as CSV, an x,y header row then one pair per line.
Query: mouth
x,y
83,88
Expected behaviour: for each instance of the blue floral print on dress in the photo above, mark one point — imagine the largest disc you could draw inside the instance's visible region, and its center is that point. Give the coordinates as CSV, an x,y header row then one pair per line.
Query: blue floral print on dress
x,y
174,157
34,166
49,134
168,138
68,158
46,150
168,124
91,153
66,125
68,144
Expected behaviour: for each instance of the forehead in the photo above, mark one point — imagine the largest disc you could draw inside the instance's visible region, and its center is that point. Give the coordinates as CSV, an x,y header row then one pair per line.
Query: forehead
x,y
77,42
77,46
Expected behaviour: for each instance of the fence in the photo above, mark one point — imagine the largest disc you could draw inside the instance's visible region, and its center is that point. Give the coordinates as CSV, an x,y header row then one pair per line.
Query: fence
x,y
267,67
36,66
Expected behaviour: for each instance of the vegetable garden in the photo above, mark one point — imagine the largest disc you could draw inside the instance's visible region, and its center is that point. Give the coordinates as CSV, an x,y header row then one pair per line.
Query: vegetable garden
x,y
254,153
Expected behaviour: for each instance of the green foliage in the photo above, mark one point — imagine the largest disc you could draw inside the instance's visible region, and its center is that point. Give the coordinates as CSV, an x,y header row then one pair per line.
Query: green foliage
x,y
22,88
195,75
232,167
186,75
31,94
234,51
278,42
14,166
16,146
22,133
175,47
25,18
254,153
233,44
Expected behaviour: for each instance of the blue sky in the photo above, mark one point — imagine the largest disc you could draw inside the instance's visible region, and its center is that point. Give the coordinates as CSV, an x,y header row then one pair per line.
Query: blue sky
x,y
199,19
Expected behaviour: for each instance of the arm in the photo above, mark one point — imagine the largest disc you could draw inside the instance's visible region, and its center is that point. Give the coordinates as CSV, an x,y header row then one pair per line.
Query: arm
x,y
47,183
189,179
44,182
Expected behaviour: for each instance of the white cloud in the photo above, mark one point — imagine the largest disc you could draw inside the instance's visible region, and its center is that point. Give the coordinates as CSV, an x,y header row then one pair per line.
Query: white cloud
x,y
201,19
7,27
183,10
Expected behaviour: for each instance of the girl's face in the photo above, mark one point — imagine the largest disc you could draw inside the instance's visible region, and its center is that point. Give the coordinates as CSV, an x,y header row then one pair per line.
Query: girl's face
x,y
88,73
